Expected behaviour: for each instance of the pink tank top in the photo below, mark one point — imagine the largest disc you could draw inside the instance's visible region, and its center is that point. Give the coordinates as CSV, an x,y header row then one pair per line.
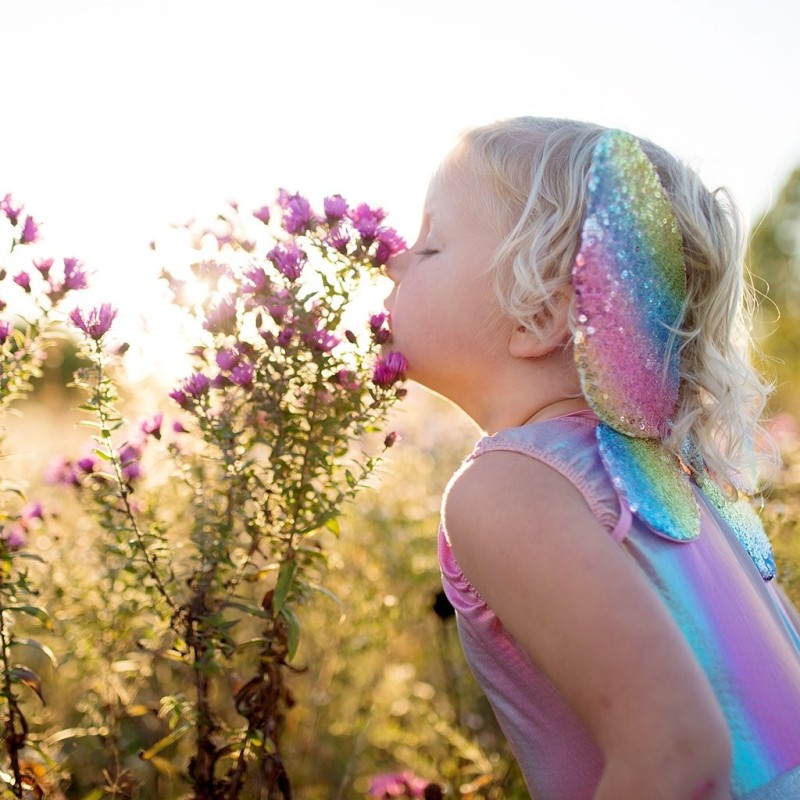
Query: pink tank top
x,y
743,632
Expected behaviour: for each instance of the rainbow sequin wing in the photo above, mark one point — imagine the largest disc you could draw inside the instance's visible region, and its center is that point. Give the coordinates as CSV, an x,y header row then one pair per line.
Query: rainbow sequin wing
x,y
651,481
630,286
746,524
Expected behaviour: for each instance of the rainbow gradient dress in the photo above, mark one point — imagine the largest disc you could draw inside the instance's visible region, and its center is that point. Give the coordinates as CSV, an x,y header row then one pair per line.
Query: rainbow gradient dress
x,y
743,632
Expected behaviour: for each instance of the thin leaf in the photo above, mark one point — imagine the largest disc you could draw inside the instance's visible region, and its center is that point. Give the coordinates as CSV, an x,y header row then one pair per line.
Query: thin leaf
x,y
34,611
169,739
292,630
42,648
284,584
27,677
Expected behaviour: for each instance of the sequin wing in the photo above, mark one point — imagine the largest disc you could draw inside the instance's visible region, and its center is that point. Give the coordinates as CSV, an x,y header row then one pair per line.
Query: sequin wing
x,y
651,482
629,280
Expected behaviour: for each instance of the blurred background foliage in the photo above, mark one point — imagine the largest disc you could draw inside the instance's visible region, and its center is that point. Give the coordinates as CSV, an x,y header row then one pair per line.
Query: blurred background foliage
x,y
381,683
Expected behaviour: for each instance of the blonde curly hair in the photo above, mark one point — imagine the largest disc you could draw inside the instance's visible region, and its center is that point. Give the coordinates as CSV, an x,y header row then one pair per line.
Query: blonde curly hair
x,y
535,170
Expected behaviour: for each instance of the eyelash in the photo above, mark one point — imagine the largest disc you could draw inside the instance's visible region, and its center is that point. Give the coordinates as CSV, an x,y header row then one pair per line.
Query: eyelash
x,y
427,252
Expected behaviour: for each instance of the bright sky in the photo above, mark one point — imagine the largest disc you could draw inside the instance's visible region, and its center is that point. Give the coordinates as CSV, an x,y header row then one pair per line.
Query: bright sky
x,y
121,117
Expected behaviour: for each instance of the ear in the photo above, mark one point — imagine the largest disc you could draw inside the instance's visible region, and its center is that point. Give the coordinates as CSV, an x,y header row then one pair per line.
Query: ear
x,y
551,331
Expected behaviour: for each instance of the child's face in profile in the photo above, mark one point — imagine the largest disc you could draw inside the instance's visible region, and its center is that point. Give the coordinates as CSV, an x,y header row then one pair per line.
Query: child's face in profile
x,y
444,313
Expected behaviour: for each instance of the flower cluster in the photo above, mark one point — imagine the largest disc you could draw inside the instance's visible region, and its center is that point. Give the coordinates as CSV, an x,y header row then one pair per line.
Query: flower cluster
x,y
397,784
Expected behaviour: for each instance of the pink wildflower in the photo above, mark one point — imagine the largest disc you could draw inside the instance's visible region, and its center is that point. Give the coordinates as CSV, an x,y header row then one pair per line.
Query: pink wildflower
x,y
30,232
335,208
390,369
221,316
24,280
152,426
366,221
227,358
338,239
12,212
60,470
5,329
285,337
390,243
196,385
258,280
297,214
15,537
397,784
96,323
87,464
43,266
262,214
243,374
32,510
178,427
74,276
321,340
380,333
179,397
289,260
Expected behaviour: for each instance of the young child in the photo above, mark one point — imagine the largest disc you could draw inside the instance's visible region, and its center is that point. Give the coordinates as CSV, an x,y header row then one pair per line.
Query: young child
x,y
579,294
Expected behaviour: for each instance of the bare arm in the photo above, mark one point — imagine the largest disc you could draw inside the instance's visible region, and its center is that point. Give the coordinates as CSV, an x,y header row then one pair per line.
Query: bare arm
x,y
526,539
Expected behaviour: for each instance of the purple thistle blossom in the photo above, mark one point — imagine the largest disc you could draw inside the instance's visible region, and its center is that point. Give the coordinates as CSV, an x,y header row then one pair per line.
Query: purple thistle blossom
x,y
243,374
366,221
30,232
289,260
338,239
96,323
87,464
380,334
5,329
347,380
12,213
43,266
258,280
179,397
227,359
262,214
390,243
196,385
152,426
335,208
221,316
321,340
15,537
297,214
24,280
178,427
32,510
285,337
74,276
390,369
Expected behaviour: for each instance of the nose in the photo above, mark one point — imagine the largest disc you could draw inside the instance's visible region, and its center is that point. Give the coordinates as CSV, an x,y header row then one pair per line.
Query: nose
x,y
396,266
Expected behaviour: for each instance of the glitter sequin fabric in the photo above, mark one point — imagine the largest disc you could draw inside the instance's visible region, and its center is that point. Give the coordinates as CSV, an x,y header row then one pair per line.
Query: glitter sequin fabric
x,y
630,283
652,482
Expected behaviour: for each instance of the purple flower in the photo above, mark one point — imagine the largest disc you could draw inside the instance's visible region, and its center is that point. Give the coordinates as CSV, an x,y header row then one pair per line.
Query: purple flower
x,y
152,426
397,784
262,214
196,385
74,276
347,380
30,231
285,337
288,259
258,280
221,316
11,212
390,369
179,397
366,221
390,243
87,464
380,334
243,374
227,359
178,427
390,439
43,265
5,329
321,340
32,510
338,239
96,323
24,280
335,208
15,537
297,214
61,470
